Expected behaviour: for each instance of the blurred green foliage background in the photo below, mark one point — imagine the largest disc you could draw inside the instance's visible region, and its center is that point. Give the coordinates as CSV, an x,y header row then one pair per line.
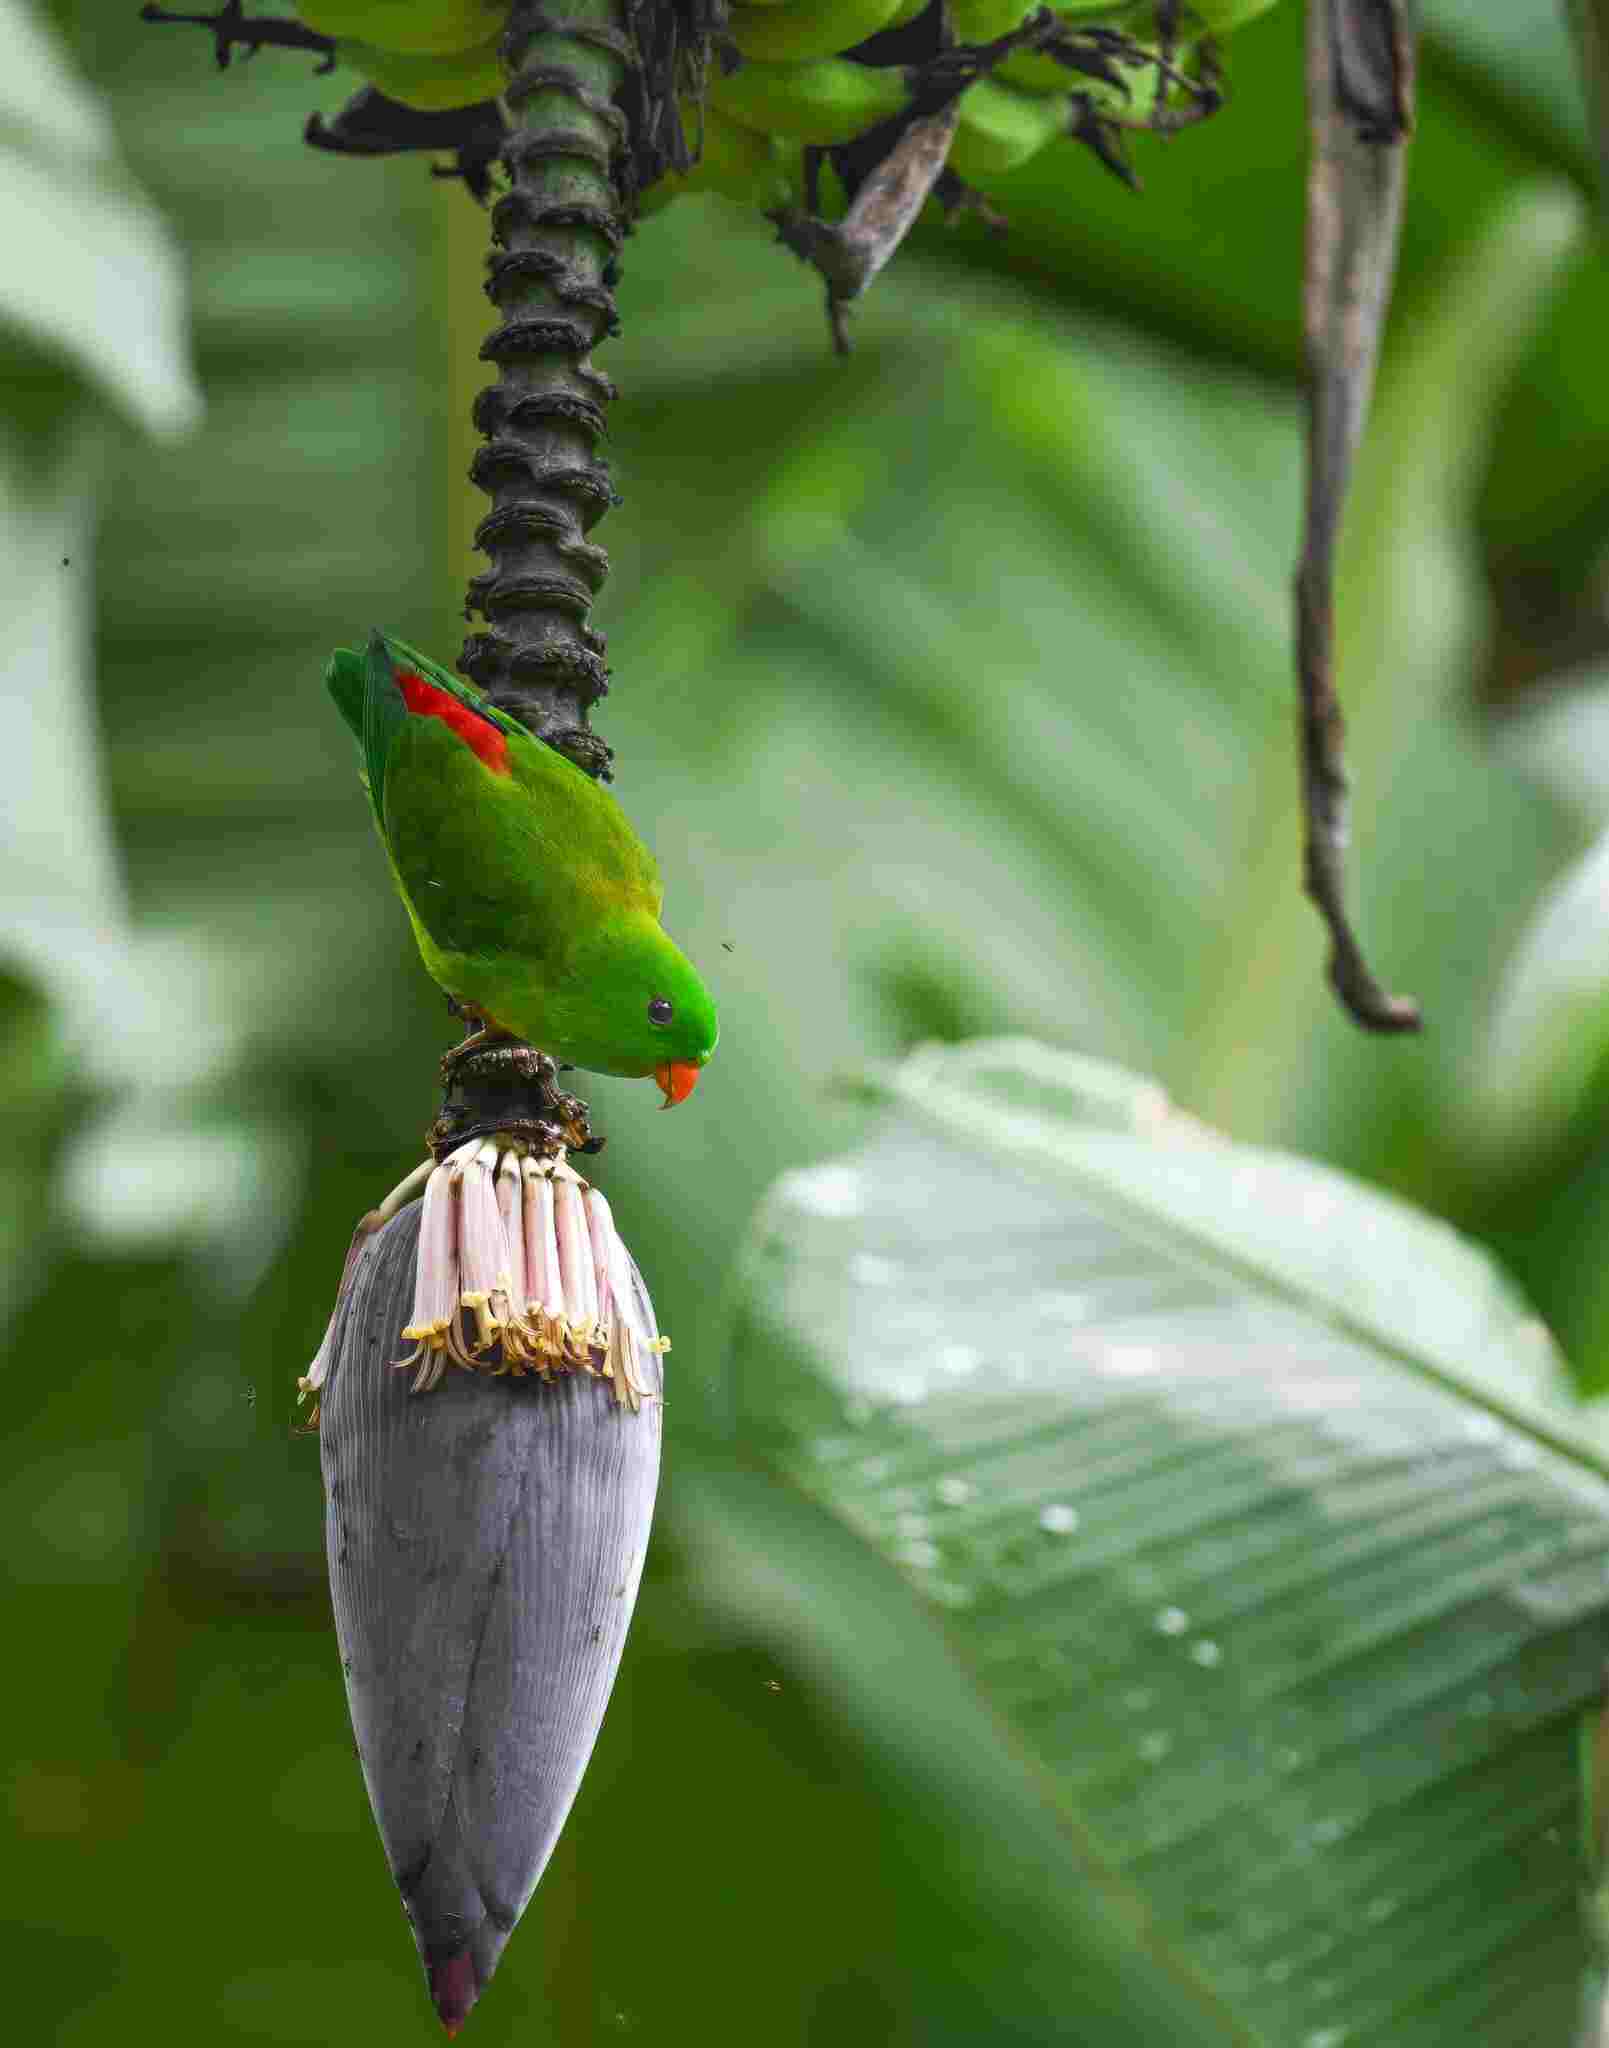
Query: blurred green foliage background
x,y
952,689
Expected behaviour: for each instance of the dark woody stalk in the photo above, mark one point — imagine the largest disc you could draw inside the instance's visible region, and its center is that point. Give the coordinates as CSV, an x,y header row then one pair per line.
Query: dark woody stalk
x,y
556,231
1360,94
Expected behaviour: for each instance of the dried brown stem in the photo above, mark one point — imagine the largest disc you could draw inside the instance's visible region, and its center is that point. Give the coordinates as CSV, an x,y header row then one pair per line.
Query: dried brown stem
x,y
1360,98
851,252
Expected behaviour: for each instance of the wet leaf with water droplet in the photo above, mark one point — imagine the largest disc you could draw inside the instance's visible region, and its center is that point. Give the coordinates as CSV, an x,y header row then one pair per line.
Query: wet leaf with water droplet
x,y
1276,1548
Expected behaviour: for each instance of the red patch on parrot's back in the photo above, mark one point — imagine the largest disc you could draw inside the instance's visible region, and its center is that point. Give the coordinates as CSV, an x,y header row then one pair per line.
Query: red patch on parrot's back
x,y
429,700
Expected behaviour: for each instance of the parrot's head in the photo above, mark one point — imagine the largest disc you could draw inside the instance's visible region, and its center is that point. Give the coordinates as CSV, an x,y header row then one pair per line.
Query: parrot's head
x,y
649,1013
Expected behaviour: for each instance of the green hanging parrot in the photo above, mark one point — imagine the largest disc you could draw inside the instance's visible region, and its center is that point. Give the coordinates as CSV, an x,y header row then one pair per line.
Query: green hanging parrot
x,y
534,903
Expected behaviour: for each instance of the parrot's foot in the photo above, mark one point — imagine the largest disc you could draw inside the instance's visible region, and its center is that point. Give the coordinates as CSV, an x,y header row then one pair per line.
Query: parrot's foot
x,y
486,1033
469,1048
230,27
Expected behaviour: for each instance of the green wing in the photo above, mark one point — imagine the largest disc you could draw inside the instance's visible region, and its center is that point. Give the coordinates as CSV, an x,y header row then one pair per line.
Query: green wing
x,y
489,864
365,691
343,678
385,716
455,686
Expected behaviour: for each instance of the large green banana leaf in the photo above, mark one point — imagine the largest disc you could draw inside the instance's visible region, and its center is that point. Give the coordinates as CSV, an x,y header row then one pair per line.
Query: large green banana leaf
x,y
1250,1510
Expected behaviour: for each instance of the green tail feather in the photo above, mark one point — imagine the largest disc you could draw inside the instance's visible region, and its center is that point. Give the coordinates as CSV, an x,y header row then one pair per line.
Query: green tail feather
x,y
384,716
343,678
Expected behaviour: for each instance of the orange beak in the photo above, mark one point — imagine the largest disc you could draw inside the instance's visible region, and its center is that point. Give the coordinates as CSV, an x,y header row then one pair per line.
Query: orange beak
x,y
678,1078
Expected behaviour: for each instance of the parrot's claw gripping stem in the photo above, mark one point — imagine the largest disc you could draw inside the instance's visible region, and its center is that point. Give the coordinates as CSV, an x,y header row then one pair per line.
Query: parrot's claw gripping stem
x,y
485,1035
230,26
455,1055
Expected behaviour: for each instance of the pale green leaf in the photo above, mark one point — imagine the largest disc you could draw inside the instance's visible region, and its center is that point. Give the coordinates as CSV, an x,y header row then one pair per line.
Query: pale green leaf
x,y
92,277
1544,1051
1540,1062
44,104
1560,741
1520,51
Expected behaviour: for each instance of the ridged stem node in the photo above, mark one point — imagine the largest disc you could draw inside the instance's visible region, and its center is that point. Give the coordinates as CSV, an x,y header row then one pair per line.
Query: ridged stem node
x,y
556,233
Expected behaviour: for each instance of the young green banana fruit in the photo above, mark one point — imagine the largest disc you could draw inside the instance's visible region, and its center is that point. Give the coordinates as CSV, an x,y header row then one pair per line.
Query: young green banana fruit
x,y
826,101
1001,128
1031,71
1138,17
736,162
807,28
431,83
830,101
981,21
1219,17
413,27
438,54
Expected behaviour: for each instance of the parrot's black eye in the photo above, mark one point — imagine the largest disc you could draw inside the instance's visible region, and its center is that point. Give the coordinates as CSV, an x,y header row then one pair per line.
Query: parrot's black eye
x,y
660,1010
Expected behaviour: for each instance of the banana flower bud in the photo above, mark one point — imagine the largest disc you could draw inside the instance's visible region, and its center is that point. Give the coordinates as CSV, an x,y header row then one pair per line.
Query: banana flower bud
x,y
489,1419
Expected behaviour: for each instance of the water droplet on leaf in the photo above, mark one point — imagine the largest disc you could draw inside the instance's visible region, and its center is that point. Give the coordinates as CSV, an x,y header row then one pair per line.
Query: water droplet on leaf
x,y
832,1191
1130,1361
